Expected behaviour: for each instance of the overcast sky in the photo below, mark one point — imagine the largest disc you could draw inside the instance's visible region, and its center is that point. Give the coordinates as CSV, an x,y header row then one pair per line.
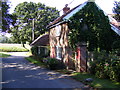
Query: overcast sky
x,y
106,5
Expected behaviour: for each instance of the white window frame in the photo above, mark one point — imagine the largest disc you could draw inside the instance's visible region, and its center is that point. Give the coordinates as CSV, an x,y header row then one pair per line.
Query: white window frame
x,y
58,30
59,52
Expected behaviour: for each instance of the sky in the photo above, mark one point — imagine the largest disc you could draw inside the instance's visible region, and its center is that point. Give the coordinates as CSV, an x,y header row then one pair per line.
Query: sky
x,y
106,5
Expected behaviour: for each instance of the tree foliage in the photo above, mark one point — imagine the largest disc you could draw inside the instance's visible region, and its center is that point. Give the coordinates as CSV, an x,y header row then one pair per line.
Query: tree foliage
x,y
7,19
116,10
26,13
90,25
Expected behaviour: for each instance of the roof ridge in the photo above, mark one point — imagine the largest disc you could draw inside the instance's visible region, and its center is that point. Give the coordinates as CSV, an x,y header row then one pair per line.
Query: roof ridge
x,y
38,38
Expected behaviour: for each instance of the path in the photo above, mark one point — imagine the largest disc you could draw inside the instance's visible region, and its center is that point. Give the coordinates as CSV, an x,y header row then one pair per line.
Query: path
x,y
19,73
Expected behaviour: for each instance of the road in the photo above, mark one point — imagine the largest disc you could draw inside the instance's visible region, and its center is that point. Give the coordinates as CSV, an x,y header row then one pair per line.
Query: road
x,y
19,73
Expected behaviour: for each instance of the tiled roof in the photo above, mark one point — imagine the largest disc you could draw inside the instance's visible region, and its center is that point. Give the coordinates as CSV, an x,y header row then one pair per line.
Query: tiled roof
x,y
76,9
41,41
61,17
114,25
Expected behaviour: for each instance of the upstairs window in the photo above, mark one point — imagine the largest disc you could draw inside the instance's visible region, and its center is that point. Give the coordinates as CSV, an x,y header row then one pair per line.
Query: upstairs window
x,y
58,30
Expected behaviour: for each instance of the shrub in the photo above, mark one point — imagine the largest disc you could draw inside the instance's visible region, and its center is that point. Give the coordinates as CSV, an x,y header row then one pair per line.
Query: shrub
x,y
34,50
114,73
106,66
53,63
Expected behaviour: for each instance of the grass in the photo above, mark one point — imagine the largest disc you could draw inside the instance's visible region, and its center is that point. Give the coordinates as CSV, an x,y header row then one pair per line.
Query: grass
x,y
12,48
34,61
4,55
29,54
97,83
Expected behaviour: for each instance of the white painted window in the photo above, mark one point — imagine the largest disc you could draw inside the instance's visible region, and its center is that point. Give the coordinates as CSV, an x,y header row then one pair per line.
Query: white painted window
x,y
58,52
58,30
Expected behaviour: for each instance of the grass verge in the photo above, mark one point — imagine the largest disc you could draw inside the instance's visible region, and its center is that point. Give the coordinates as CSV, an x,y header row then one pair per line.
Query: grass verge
x,y
4,55
97,83
35,61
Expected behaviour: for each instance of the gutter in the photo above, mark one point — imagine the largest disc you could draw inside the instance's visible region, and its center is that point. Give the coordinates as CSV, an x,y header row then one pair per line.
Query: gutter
x,y
56,24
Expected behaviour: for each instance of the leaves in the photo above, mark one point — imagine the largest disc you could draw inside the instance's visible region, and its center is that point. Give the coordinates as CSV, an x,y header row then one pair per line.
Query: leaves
x,y
7,19
98,33
116,10
32,16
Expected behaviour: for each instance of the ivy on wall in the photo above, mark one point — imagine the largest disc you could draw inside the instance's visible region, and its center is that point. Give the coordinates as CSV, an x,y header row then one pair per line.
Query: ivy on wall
x,y
90,25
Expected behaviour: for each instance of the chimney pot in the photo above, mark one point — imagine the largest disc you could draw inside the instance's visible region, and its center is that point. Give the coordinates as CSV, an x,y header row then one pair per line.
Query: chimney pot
x,y
66,9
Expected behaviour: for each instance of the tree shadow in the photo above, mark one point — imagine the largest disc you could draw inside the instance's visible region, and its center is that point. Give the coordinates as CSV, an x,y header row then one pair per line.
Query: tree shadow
x,y
19,73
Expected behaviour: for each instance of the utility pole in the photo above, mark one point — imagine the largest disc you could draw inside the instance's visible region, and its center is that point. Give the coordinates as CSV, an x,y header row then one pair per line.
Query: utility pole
x,y
33,28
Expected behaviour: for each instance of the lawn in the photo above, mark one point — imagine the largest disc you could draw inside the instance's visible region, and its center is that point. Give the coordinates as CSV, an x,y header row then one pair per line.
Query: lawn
x,y
97,83
4,55
13,48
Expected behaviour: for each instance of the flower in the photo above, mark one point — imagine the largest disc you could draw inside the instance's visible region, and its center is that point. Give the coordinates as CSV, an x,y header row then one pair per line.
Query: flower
x,y
106,64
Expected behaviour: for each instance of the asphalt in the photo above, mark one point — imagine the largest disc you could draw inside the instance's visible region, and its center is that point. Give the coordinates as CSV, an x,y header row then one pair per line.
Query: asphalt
x,y
19,73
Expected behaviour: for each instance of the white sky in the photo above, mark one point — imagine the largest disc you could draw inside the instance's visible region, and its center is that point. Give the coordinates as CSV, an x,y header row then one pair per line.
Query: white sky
x,y
106,5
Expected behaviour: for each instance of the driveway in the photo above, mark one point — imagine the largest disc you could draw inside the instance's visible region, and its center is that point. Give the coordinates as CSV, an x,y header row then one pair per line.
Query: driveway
x,y
19,73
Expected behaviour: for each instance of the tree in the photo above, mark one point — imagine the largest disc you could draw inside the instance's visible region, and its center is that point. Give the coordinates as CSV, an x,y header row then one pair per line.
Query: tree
x,y
5,39
116,10
7,19
32,16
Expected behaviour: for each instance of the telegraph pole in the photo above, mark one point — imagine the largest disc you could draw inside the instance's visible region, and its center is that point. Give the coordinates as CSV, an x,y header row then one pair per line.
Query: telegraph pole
x,y
33,28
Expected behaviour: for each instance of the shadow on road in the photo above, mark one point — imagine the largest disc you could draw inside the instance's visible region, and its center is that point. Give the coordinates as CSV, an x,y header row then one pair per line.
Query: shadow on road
x,y
19,73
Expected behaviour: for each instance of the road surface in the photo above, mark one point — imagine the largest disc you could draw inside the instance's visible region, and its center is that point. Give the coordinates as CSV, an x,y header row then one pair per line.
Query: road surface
x,y
19,73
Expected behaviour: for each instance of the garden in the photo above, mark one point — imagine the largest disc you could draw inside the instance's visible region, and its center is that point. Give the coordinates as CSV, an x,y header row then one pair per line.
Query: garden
x,y
92,27
103,70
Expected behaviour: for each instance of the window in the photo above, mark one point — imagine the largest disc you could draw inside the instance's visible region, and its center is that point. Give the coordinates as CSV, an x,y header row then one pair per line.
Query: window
x,y
58,52
58,30
38,50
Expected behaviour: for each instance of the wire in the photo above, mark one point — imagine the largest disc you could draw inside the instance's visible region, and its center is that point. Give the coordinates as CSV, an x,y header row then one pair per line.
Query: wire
x,y
67,4
71,2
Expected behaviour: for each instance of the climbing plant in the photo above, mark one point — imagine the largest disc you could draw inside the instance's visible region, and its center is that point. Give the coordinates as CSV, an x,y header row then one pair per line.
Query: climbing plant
x,y
90,25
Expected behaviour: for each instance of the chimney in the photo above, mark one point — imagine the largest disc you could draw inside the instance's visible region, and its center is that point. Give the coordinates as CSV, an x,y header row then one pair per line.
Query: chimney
x,y
66,9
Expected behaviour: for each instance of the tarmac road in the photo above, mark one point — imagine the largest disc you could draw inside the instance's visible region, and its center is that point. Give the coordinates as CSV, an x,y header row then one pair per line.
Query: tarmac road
x,y
19,73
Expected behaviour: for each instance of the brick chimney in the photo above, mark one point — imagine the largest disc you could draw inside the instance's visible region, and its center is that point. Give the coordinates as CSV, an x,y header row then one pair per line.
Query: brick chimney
x,y
66,9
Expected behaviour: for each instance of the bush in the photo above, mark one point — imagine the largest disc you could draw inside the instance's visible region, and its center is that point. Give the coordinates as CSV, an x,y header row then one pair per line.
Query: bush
x,y
53,63
106,66
114,73
34,50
